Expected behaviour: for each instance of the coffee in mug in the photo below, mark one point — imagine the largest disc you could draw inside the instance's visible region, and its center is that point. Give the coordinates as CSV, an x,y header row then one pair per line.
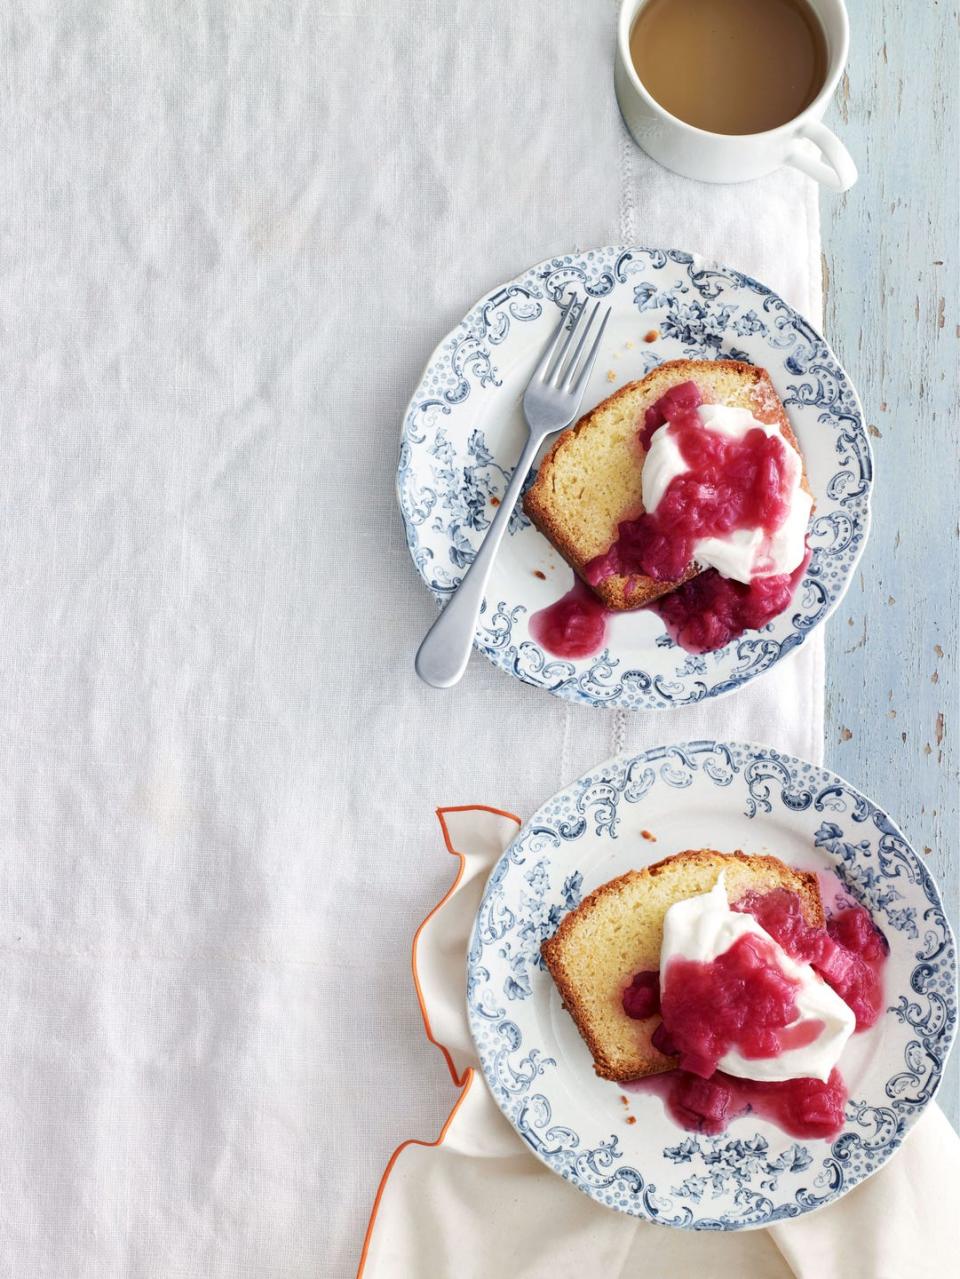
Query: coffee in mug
x,y
730,66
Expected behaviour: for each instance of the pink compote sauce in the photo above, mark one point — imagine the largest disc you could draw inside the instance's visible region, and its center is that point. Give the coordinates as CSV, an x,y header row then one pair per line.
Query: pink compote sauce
x,y
743,1000
740,1000
574,626
849,953
709,611
730,484
801,1107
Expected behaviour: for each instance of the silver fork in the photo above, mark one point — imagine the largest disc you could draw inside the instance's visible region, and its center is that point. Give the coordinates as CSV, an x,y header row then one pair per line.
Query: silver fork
x,y
550,402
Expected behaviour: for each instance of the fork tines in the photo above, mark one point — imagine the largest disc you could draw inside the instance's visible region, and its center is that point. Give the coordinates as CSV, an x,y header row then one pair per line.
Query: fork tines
x,y
566,372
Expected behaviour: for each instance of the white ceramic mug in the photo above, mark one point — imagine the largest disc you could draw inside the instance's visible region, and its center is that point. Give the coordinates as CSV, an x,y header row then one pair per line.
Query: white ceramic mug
x,y
724,157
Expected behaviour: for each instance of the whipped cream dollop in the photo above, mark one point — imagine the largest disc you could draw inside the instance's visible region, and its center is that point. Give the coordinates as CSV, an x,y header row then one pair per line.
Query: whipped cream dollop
x,y
742,554
703,928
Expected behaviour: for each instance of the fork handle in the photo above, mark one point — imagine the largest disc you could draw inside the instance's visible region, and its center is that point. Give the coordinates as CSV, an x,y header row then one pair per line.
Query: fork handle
x,y
442,657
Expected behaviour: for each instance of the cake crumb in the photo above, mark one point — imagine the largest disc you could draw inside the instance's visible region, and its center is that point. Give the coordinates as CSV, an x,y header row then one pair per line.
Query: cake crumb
x,y
648,835
629,345
611,376
539,573
651,336
494,501
631,1119
625,1099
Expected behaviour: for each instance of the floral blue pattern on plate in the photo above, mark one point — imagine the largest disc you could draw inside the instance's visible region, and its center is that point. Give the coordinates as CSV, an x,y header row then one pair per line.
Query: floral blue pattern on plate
x,y
705,794
463,431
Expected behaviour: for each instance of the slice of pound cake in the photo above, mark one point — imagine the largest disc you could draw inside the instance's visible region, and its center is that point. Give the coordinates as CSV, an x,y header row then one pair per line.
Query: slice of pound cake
x,y
591,479
617,932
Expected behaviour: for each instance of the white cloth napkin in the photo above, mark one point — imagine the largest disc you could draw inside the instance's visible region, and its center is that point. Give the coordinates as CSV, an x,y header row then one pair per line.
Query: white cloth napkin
x,y
476,1202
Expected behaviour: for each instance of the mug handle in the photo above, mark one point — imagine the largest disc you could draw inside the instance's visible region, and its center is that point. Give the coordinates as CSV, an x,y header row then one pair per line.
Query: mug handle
x,y
839,173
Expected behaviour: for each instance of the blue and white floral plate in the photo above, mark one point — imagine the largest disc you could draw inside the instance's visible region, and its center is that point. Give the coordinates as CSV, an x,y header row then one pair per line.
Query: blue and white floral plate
x,y
463,432
726,796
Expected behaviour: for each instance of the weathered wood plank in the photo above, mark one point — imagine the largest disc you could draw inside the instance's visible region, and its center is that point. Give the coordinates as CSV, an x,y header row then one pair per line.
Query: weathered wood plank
x,y
891,312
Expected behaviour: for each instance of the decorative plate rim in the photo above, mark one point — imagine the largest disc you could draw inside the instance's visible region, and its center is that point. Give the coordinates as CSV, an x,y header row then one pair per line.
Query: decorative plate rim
x,y
586,686
739,756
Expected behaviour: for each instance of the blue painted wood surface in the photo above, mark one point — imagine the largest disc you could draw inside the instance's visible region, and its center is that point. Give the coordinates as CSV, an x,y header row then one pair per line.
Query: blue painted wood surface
x,y
890,250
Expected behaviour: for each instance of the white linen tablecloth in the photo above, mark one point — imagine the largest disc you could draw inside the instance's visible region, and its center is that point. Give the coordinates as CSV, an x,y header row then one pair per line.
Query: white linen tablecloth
x,y
232,232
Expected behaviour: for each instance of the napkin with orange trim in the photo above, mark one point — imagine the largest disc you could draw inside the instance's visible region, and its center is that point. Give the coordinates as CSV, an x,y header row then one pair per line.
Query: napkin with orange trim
x,y
476,1202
